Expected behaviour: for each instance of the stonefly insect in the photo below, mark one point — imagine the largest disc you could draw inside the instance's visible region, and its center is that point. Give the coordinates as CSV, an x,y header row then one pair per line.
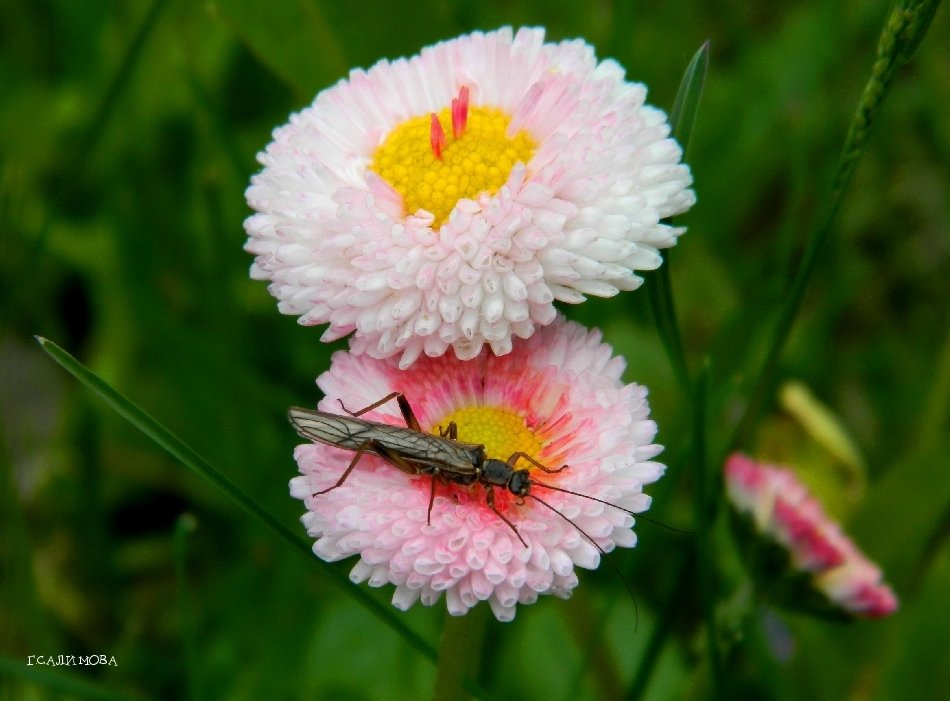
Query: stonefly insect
x,y
443,457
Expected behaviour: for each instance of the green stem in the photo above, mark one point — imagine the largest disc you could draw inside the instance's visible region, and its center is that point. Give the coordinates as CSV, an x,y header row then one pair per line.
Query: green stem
x,y
664,313
460,654
704,514
902,33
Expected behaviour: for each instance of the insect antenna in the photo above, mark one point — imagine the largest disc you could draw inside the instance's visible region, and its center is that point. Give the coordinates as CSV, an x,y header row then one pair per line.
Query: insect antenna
x,y
626,583
608,503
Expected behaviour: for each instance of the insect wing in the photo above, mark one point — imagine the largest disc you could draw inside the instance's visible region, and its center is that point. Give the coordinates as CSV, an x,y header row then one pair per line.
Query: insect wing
x,y
416,447
331,429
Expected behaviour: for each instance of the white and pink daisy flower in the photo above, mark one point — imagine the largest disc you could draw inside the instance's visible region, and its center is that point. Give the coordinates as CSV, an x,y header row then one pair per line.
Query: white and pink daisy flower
x,y
783,511
557,397
447,200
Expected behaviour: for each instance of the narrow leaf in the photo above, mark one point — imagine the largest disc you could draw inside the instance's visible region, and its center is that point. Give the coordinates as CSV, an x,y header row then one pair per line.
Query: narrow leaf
x,y
201,467
660,293
686,104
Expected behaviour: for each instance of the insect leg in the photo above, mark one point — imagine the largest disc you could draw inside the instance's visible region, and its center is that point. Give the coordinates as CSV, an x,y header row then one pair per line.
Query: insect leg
x,y
431,502
515,456
490,497
394,458
356,458
451,432
391,456
404,407
398,461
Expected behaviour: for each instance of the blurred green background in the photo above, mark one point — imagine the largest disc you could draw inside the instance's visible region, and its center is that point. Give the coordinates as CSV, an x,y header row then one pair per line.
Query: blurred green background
x,y
128,132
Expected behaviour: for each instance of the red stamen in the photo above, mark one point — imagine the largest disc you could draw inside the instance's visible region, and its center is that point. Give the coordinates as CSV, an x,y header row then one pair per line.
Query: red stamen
x,y
436,136
460,112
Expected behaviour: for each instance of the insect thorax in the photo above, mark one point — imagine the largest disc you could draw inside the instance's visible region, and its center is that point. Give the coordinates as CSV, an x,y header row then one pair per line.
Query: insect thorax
x,y
500,473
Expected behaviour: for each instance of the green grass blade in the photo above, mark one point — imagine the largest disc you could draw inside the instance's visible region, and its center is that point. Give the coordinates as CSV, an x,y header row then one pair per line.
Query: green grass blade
x,y
686,103
660,293
201,467
902,33
164,438
68,684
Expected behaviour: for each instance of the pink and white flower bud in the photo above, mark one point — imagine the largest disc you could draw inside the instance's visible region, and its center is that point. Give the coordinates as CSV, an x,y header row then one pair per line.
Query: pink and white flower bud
x,y
784,513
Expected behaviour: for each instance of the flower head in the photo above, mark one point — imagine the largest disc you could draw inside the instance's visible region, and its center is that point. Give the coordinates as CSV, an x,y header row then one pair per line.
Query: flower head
x,y
556,397
446,200
782,510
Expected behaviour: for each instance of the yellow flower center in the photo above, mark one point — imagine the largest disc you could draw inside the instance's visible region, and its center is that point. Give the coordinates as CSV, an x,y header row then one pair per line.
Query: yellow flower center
x,y
502,432
478,160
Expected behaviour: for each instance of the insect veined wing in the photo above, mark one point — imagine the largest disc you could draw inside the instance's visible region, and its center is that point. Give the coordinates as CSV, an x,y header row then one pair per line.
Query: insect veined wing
x,y
341,431
415,447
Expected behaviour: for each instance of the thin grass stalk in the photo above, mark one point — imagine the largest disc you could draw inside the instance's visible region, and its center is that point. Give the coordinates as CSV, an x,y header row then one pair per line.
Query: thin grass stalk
x,y
704,514
902,33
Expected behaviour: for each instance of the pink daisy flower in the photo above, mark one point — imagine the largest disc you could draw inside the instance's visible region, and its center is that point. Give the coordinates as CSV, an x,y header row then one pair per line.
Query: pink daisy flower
x,y
557,397
784,512
447,200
